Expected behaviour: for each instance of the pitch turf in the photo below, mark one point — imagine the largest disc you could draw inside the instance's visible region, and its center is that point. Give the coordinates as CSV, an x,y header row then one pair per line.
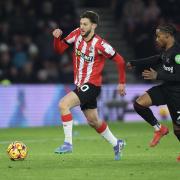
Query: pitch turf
x,y
92,158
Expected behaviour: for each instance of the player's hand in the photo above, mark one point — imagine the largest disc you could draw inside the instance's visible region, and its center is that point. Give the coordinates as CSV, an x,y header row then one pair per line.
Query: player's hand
x,y
129,65
121,89
149,74
57,33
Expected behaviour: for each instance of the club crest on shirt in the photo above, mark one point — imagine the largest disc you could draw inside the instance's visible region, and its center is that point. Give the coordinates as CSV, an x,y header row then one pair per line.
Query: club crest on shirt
x,y
84,56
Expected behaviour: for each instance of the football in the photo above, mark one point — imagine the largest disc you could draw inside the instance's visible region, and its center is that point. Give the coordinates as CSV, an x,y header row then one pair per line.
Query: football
x,y
17,151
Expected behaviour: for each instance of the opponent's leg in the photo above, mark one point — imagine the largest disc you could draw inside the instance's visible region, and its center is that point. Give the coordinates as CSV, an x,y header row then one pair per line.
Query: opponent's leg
x,y
141,106
174,109
177,134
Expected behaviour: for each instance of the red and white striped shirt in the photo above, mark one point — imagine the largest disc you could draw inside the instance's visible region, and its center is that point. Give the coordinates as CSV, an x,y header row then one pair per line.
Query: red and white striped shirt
x,y
89,57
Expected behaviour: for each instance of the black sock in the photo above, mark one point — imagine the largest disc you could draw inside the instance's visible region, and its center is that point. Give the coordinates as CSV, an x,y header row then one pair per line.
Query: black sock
x,y
146,114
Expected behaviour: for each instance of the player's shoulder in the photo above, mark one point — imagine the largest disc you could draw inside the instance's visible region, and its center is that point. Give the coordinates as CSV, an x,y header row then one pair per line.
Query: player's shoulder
x,y
104,47
101,41
70,38
76,31
98,37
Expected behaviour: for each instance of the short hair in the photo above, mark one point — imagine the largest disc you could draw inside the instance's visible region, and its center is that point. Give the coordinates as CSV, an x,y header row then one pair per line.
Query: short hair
x,y
91,15
167,28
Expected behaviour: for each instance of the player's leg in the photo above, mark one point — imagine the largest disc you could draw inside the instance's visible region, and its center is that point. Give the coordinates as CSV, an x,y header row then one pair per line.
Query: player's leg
x,y
102,128
88,94
66,103
174,109
153,96
176,128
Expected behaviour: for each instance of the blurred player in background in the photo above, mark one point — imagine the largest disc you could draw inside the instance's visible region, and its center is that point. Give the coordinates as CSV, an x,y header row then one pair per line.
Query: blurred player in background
x,y
89,54
168,92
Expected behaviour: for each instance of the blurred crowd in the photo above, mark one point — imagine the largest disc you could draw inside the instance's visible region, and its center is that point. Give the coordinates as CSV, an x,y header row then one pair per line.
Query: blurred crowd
x,y
26,43
139,19
26,50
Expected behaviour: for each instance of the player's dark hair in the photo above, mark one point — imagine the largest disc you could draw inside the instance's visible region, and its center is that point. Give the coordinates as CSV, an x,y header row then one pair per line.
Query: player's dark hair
x,y
91,15
168,28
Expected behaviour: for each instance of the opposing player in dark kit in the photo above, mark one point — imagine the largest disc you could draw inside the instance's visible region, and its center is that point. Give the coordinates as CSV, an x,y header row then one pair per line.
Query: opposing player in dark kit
x,y
89,54
167,93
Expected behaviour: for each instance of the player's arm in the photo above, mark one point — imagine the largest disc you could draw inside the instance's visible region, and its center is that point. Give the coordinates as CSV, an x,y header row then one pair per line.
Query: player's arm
x,y
148,61
119,60
122,72
59,45
109,52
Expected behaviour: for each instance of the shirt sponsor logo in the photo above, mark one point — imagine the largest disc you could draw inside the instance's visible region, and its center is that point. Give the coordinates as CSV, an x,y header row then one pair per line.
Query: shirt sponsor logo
x,y
168,68
84,56
177,59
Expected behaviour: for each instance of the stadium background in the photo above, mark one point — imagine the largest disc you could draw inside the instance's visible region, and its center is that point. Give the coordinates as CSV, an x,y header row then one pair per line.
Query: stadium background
x,y
33,78
37,105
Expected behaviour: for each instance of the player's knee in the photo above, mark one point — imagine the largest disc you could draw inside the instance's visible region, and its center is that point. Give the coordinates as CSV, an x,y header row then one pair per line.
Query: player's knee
x,y
177,134
138,107
138,101
144,101
63,105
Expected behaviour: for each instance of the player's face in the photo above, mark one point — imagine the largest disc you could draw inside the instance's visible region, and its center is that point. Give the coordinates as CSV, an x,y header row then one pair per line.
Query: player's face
x,y
85,26
161,38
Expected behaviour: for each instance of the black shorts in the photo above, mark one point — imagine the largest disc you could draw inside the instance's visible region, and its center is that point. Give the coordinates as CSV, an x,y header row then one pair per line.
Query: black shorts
x,y
161,95
88,94
158,96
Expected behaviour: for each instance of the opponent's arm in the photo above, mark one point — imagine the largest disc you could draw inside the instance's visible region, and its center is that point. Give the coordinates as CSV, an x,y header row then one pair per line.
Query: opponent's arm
x,y
163,74
152,60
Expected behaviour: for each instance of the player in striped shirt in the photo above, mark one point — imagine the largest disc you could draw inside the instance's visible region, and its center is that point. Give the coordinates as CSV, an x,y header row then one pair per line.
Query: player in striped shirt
x,y
89,55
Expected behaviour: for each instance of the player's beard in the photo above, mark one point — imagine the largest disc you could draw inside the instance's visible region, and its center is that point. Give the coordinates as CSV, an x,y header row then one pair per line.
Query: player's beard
x,y
87,34
160,46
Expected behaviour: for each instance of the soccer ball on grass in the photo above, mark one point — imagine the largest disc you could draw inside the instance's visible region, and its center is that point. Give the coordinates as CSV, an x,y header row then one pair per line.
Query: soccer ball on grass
x,y
17,151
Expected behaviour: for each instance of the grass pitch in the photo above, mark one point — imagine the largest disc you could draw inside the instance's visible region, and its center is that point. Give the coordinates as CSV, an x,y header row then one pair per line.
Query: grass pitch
x,y
92,158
